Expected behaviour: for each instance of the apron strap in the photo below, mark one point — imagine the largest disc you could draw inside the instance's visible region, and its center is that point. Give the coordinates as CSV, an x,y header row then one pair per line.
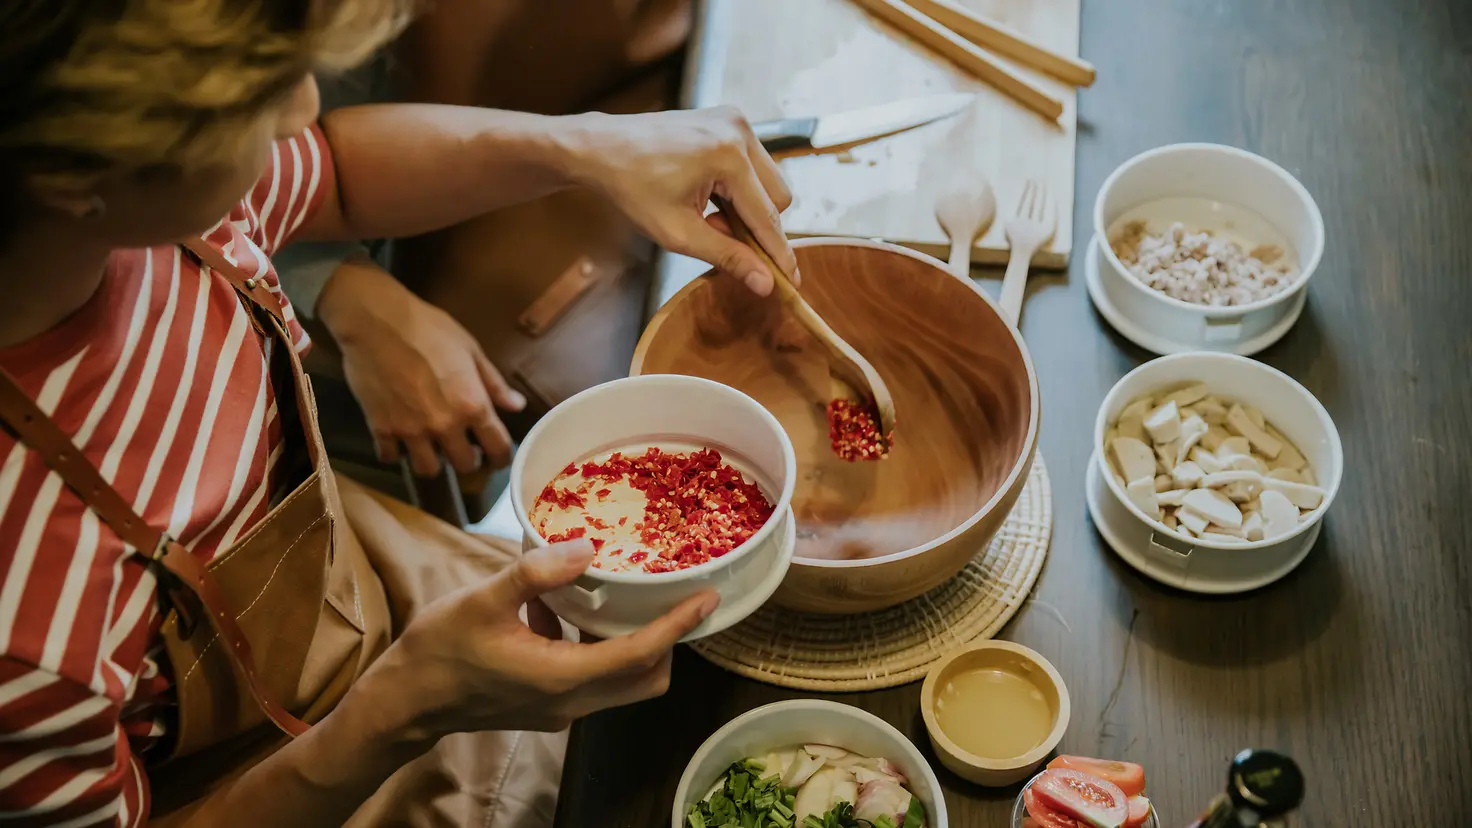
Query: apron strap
x,y
250,288
188,586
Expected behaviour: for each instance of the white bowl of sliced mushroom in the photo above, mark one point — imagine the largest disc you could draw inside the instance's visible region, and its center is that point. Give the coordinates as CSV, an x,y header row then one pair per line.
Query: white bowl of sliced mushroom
x,y
1229,464
1203,247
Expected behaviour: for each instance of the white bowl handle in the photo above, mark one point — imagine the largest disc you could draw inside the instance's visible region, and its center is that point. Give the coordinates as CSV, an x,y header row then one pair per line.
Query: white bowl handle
x,y
586,593
1172,551
1222,329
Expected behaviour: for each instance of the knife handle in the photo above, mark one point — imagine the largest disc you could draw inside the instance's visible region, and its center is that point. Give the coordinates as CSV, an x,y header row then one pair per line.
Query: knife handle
x,y
787,133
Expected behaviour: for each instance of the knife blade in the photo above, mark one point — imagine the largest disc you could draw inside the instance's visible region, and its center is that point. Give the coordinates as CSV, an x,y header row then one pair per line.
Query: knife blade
x,y
839,128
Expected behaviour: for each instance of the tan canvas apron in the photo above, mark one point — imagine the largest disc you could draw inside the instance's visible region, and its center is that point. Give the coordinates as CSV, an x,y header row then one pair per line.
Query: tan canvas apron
x,y
279,625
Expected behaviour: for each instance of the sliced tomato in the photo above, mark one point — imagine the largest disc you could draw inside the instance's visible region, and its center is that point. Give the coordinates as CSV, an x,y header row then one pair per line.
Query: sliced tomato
x,y
1088,799
1042,816
1127,775
1139,812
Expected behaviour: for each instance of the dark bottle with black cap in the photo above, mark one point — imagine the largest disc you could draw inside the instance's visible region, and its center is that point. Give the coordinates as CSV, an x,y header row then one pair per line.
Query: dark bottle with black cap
x,y
1262,788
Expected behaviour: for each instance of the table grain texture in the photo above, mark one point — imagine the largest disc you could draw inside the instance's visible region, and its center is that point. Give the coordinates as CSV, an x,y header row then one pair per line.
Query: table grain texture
x,y
1359,663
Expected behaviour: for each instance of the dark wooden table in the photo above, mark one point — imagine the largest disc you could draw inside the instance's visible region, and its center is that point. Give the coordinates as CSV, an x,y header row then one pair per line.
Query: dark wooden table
x,y
1360,662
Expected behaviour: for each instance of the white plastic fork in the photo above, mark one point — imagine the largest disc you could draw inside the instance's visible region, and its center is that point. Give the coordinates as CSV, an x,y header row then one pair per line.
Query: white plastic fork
x,y
1027,232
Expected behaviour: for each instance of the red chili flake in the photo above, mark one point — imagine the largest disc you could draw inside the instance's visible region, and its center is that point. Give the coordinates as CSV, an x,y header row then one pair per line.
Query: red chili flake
x,y
854,433
571,467
698,507
561,498
596,522
603,494
571,534
597,543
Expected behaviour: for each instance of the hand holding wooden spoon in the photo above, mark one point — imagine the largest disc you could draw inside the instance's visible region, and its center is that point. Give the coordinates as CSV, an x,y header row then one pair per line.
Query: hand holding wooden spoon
x,y
844,362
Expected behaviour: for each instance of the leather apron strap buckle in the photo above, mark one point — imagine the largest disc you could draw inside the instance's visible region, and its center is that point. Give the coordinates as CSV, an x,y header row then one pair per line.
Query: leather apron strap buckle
x,y
173,592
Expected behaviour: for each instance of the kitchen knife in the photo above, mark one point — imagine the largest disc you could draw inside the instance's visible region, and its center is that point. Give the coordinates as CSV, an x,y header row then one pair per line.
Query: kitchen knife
x,y
858,124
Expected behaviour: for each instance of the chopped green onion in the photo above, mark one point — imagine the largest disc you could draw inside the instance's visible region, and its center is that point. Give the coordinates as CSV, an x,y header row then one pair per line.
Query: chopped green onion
x,y
914,815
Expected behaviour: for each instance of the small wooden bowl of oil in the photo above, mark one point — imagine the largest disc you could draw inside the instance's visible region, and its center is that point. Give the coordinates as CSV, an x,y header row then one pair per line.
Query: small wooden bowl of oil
x,y
994,710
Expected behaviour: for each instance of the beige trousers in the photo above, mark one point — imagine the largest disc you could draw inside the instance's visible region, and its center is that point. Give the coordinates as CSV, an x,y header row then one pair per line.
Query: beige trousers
x,y
484,780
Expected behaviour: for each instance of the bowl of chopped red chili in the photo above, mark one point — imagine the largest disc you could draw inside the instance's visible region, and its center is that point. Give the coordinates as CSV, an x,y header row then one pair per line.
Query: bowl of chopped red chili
x,y
878,522
681,484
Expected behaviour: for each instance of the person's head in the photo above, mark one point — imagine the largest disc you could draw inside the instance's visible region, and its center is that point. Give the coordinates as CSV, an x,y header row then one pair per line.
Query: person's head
x,y
144,121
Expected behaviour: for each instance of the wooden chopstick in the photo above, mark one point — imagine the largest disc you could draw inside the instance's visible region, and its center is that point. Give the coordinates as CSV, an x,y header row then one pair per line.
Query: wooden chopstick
x,y
1006,41
965,54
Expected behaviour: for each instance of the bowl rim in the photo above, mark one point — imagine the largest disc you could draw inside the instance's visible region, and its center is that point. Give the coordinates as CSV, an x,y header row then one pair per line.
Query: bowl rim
x,y
783,502
1306,271
937,792
1021,466
1331,487
1032,757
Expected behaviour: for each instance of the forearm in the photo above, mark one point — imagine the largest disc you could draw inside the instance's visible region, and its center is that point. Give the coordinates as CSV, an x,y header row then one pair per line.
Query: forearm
x,y
405,169
323,776
361,300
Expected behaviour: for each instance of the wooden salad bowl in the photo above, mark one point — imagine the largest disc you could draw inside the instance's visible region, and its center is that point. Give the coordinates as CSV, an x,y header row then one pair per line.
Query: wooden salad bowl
x,y
872,534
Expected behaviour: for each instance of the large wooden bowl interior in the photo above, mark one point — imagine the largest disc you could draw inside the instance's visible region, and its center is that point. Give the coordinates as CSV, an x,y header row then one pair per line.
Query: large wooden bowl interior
x,y
872,534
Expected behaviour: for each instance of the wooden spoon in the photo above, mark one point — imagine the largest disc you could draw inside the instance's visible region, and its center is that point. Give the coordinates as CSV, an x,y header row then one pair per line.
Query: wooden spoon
x,y
846,365
965,212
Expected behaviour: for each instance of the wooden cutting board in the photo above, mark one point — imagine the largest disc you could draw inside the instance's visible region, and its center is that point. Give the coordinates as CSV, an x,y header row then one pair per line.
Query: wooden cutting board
x,y
797,58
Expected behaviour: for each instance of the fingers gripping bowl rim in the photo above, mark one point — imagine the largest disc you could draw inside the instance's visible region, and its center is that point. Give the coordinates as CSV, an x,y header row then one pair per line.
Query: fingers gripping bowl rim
x,y
673,411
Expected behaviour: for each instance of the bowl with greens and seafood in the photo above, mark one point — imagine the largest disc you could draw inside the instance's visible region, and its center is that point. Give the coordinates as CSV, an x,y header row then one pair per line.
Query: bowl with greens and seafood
x,y
808,763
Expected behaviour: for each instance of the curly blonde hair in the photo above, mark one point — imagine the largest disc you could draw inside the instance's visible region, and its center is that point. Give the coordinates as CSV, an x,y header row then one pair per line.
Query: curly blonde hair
x,y
89,87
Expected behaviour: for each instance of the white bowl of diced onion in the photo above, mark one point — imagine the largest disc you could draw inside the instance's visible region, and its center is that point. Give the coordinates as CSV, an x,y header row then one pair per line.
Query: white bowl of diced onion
x,y
812,722
1206,561
1230,193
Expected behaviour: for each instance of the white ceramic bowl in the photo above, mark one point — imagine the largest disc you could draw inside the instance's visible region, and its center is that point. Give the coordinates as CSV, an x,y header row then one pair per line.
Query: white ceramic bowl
x,y
1177,558
674,412
807,721
1218,188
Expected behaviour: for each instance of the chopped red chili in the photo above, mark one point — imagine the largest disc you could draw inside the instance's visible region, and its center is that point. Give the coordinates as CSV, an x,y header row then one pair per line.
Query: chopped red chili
x,y
562,498
571,534
854,432
698,508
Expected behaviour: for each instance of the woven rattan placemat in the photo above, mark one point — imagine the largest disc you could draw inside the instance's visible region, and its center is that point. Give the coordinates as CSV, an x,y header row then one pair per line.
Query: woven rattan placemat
x,y
845,653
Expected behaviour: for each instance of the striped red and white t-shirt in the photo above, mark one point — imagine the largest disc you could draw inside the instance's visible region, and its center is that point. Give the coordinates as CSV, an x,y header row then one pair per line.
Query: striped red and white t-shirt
x,y
162,382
